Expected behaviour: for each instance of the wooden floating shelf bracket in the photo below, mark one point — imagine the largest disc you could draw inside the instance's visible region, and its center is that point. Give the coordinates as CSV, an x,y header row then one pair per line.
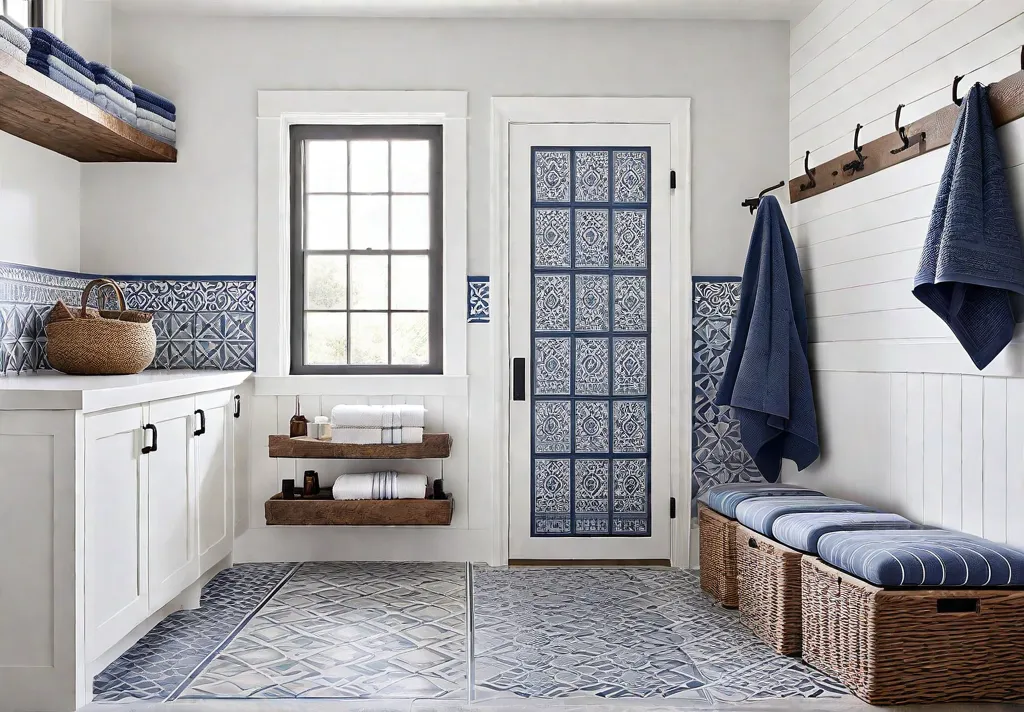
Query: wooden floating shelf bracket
x,y
322,510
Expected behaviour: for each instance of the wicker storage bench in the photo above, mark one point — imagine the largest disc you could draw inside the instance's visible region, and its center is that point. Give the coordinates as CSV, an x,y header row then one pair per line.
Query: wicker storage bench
x,y
913,646
768,585
717,555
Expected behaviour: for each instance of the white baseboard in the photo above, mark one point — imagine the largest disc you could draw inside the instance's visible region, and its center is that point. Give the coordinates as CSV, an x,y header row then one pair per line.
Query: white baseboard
x,y
361,544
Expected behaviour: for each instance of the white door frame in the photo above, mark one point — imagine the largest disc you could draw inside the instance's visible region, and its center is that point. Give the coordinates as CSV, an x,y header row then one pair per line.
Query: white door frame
x,y
675,112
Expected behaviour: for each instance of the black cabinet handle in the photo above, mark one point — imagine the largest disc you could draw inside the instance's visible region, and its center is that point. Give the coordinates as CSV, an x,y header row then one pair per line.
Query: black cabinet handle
x,y
519,379
238,406
146,449
202,423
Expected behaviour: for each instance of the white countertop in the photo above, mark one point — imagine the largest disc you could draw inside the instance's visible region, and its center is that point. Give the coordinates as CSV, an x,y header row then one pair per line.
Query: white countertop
x,y
50,390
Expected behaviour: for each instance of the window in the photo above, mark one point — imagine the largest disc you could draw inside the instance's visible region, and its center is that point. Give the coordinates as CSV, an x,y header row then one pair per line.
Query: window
x,y
366,277
27,13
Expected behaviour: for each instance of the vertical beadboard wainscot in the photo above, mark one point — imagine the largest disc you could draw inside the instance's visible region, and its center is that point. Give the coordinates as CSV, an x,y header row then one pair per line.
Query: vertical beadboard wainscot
x,y
447,404
907,422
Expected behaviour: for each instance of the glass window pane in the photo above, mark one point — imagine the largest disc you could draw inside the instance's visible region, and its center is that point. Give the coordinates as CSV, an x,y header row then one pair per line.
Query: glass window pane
x,y
326,166
325,282
369,286
410,282
17,10
370,222
369,166
326,222
410,222
410,166
369,338
410,338
326,338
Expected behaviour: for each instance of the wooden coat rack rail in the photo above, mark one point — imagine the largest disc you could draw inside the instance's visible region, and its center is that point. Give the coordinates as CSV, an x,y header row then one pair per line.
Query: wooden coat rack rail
x,y
934,131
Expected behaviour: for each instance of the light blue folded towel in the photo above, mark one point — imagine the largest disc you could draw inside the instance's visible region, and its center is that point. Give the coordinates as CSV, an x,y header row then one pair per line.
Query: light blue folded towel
x,y
53,62
19,54
112,96
68,83
155,118
973,258
14,34
157,131
114,109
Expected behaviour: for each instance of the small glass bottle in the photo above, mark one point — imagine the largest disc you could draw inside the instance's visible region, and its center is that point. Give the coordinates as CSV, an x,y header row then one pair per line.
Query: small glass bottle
x,y
298,426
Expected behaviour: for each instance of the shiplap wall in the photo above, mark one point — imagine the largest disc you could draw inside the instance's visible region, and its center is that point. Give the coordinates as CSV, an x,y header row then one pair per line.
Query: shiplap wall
x,y
907,422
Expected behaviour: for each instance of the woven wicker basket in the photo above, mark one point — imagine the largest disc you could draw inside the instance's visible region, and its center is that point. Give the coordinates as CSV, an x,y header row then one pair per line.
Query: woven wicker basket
x,y
913,646
768,583
93,342
717,555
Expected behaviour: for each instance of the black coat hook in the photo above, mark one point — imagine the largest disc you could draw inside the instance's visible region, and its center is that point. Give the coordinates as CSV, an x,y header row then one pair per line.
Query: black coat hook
x,y
956,83
752,203
858,163
809,172
902,132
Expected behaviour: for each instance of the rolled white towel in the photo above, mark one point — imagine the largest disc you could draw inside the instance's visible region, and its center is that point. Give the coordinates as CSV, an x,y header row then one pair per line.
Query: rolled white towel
x,y
380,485
358,436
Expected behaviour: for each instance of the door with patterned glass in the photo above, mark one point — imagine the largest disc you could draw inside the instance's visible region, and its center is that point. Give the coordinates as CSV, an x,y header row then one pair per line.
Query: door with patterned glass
x,y
589,337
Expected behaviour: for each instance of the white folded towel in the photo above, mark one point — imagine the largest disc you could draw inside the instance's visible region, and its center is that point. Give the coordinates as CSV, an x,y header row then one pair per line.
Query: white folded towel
x,y
378,416
376,436
380,485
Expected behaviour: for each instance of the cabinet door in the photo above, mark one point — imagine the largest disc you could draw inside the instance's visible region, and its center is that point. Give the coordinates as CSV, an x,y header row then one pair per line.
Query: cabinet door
x,y
116,528
215,475
173,534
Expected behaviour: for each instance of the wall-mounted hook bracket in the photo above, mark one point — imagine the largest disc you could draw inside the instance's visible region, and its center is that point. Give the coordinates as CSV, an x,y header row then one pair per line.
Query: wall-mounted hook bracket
x,y
956,83
809,172
902,132
858,163
752,203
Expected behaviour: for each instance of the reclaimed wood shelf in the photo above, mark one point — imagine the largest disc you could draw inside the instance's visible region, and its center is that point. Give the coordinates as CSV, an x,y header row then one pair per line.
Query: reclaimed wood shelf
x,y
434,445
323,510
36,108
1006,97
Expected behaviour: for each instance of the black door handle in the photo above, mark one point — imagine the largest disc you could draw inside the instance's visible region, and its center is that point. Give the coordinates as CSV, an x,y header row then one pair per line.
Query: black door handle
x,y
519,379
202,423
146,449
238,406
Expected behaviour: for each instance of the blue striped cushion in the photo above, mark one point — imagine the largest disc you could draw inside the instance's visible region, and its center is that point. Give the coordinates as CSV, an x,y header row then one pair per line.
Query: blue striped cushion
x,y
930,558
724,498
802,531
761,513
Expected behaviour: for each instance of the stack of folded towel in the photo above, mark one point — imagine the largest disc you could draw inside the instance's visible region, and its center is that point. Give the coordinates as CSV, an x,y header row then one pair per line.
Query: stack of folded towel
x,y
114,93
13,40
52,57
380,485
157,115
377,424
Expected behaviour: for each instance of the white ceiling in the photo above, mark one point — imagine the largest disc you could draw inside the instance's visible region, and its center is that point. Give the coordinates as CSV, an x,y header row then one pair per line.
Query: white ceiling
x,y
792,10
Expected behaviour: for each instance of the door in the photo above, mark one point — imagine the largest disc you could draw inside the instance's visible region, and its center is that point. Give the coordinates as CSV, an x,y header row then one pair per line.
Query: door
x,y
116,525
214,443
173,532
589,278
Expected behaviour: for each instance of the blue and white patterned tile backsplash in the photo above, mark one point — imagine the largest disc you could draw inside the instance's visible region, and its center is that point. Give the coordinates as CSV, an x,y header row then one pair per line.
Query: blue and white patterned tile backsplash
x,y
478,299
201,323
718,455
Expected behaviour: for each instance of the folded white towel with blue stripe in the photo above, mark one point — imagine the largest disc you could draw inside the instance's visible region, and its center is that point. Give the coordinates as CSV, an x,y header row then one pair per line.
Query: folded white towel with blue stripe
x,y
380,485
19,54
155,118
377,416
14,34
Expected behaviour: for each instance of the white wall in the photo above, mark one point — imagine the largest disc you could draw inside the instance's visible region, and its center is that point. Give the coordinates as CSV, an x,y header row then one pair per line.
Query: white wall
x,y
906,420
199,216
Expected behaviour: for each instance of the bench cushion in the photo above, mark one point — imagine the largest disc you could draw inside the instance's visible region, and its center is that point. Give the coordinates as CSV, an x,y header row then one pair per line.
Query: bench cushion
x,y
930,558
761,513
802,531
724,498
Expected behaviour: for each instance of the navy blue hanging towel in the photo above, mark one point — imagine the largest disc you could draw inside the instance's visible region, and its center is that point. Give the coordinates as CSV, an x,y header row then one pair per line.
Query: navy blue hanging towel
x,y
972,258
767,381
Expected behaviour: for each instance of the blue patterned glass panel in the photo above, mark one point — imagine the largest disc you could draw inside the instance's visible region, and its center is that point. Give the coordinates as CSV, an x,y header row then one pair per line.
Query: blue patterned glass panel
x,y
591,341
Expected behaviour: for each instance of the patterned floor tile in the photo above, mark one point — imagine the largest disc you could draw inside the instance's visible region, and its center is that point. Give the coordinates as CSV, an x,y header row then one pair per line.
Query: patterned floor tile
x,y
350,630
622,633
163,659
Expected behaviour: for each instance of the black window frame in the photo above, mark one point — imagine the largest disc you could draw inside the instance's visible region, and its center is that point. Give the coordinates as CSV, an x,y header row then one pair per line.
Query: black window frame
x,y
35,12
298,135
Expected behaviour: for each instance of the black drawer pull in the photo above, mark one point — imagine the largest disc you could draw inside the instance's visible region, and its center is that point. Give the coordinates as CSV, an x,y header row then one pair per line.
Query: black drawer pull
x,y
146,449
202,423
957,605
519,379
238,406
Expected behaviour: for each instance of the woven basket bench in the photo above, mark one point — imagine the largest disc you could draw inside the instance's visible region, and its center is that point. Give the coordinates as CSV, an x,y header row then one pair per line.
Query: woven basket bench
x,y
717,555
913,646
769,590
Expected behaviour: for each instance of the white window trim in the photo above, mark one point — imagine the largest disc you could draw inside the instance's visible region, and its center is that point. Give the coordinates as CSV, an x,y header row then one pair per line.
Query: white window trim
x,y
277,112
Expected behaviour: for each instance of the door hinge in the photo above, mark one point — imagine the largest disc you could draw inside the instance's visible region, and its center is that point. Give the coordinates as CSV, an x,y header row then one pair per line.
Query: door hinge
x,y
672,508
672,180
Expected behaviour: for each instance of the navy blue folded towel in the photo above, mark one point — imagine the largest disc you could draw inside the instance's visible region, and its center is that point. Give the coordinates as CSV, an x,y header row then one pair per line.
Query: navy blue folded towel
x,y
972,258
43,46
150,97
158,110
767,381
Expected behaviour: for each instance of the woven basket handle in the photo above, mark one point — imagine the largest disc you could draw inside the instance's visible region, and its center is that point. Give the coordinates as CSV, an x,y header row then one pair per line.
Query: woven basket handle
x,y
100,283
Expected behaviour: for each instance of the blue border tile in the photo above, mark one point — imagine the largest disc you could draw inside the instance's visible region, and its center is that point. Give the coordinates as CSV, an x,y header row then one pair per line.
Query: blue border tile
x,y
478,299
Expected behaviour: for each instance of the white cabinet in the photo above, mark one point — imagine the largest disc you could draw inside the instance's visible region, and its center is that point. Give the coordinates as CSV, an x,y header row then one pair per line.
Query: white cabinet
x,y
214,457
171,474
116,527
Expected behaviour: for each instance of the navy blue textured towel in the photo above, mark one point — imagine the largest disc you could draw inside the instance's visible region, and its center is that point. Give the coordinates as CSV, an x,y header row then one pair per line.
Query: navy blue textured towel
x,y
767,380
159,111
46,42
151,97
972,257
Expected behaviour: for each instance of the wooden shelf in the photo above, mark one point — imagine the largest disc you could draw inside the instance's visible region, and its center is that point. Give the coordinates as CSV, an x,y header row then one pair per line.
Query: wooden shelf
x,y
323,510
434,445
41,111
